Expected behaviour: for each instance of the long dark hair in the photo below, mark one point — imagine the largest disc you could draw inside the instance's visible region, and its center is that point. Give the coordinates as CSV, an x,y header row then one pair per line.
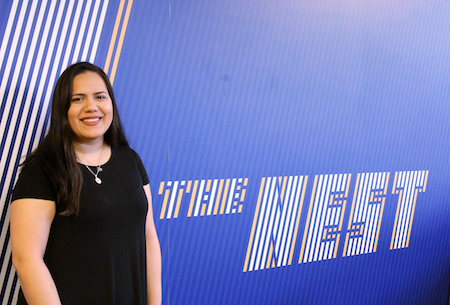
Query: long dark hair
x,y
56,151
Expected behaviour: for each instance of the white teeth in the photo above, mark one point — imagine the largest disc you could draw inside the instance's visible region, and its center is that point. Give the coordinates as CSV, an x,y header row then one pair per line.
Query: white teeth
x,y
91,120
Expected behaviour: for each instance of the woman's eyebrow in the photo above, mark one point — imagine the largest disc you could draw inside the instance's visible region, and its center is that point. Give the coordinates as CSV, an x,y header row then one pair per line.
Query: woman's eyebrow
x,y
95,93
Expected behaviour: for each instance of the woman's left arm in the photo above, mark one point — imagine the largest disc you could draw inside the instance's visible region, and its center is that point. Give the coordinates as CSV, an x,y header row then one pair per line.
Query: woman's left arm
x,y
154,285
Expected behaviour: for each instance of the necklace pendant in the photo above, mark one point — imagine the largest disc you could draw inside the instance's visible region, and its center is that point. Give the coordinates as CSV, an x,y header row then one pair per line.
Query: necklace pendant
x,y
98,180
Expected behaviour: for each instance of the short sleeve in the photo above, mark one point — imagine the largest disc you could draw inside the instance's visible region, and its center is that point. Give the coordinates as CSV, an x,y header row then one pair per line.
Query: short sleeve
x,y
141,168
33,182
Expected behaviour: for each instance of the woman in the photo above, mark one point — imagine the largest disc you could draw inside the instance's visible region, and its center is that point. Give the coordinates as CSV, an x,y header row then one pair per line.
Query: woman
x,y
82,228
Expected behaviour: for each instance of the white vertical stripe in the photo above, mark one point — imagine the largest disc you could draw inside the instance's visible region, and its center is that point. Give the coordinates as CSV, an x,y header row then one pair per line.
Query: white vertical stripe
x,y
16,291
82,30
412,193
10,62
316,218
280,224
275,217
88,40
285,220
199,198
99,30
8,278
31,86
258,226
74,28
402,207
212,197
372,212
47,65
374,227
291,219
368,217
279,208
397,227
15,116
279,211
7,33
400,185
231,197
364,198
21,88
366,212
310,241
36,72
350,247
298,182
269,220
8,250
264,218
55,70
258,246
320,220
407,194
172,199
312,220
357,194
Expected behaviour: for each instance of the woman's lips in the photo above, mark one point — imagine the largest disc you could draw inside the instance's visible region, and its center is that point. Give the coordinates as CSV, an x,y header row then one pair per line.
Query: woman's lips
x,y
90,121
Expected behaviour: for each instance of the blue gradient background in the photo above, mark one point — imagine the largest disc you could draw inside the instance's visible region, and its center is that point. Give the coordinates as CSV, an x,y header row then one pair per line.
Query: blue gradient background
x,y
222,89
228,89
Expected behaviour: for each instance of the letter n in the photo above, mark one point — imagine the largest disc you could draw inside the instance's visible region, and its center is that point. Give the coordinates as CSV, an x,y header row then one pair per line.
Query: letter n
x,y
275,223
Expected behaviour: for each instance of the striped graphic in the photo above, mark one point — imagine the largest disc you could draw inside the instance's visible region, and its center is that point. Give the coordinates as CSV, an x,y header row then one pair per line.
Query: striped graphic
x,y
275,224
325,217
204,197
115,46
366,214
407,185
41,39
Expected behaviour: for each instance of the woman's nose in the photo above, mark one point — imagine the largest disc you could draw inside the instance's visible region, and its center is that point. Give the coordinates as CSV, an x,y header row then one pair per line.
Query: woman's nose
x,y
90,104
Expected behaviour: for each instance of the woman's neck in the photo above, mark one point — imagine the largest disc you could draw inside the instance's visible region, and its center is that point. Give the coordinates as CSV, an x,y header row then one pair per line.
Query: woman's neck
x,y
94,154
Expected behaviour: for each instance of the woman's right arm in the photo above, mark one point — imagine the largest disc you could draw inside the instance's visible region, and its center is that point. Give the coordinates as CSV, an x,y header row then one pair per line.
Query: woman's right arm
x,y
30,226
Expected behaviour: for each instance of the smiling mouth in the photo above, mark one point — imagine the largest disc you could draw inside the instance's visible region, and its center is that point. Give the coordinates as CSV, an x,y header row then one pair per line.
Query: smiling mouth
x,y
91,120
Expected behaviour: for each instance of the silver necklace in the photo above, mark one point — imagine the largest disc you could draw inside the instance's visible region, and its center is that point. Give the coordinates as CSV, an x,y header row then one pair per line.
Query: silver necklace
x,y
99,168
96,178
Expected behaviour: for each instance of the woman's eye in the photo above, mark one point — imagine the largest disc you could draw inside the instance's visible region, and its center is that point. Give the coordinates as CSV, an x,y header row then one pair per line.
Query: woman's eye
x,y
101,97
76,99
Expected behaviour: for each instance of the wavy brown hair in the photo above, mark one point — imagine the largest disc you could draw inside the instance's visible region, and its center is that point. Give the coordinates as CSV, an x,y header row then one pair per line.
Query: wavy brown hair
x,y
56,151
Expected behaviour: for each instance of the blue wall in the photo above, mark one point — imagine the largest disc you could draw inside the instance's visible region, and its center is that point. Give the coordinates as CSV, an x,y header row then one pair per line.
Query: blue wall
x,y
249,97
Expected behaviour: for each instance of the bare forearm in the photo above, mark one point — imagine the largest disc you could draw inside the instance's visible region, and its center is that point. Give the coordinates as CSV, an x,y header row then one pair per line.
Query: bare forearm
x,y
154,286
37,283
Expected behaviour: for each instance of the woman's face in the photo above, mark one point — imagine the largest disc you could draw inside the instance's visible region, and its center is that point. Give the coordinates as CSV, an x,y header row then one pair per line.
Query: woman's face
x,y
91,112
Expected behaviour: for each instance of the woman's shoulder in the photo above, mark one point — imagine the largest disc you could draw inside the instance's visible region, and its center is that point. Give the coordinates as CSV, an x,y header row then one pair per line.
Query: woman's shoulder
x,y
33,164
124,152
33,181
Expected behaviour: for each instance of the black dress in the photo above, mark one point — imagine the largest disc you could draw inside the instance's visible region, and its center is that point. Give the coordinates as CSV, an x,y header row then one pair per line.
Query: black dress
x,y
99,256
